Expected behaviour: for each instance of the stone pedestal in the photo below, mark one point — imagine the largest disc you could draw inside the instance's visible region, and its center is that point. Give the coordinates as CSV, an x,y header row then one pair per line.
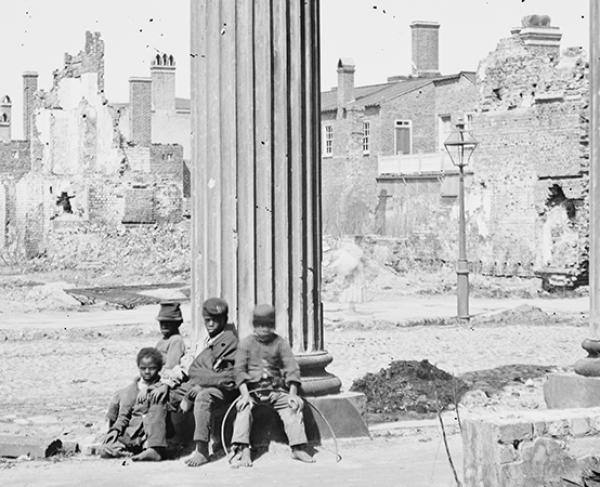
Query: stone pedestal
x,y
256,173
571,391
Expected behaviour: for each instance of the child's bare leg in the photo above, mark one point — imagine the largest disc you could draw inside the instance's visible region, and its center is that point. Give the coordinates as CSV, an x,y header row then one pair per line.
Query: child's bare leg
x,y
200,455
148,455
243,457
299,453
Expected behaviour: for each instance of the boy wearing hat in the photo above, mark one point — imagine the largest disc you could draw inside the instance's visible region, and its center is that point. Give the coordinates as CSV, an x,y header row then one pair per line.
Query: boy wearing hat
x,y
265,360
141,425
172,348
211,386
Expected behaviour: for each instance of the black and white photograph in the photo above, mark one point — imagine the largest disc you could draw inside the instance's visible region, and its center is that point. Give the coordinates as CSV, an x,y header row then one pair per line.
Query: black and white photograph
x,y
345,243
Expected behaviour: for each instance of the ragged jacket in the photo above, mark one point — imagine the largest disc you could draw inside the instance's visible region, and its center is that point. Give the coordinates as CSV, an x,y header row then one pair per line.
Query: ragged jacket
x,y
131,412
213,367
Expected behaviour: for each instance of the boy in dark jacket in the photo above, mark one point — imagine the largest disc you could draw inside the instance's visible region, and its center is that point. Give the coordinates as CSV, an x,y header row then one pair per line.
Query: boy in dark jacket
x,y
211,386
141,424
265,360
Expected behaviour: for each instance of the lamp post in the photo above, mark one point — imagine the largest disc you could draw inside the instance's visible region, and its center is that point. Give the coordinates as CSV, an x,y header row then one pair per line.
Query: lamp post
x,y
460,146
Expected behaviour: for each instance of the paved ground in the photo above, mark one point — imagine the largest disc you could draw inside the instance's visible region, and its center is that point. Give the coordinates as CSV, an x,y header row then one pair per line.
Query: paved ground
x,y
386,462
59,370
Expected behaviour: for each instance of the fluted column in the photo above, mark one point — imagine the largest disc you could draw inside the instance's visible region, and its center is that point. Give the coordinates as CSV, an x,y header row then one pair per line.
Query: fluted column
x,y
257,169
590,366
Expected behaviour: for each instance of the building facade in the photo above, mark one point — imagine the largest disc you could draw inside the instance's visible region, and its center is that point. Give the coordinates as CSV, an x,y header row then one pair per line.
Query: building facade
x,y
83,161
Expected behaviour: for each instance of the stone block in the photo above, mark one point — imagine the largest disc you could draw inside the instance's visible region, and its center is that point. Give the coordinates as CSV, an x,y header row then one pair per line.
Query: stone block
x,y
580,426
563,443
564,390
559,429
509,433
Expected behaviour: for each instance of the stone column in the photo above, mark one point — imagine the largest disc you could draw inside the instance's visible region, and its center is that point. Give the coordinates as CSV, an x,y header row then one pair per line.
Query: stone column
x,y
257,169
582,389
590,366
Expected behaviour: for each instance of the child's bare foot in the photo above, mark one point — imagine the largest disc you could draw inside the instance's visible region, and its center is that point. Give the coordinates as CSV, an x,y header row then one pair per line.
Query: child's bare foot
x,y
301,455
196,459
242,458
147,455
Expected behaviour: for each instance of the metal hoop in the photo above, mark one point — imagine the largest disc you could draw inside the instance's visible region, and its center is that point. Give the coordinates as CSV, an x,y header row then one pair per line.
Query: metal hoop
x,y
338,457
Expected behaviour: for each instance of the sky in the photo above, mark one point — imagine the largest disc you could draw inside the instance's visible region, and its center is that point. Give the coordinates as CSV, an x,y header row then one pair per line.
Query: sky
x,y
35,34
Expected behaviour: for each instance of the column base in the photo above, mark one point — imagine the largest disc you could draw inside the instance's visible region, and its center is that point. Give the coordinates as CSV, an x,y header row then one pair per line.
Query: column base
x,y
316,381
590,365
565,391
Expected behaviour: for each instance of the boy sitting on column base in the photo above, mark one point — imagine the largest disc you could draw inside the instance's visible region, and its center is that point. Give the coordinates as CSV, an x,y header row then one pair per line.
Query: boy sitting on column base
x,y
265,360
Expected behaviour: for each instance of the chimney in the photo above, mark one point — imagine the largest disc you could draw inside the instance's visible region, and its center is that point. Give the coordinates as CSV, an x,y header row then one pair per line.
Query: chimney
x,y
140,111
5,119
30,86
425,48
537,33
162,71
345,87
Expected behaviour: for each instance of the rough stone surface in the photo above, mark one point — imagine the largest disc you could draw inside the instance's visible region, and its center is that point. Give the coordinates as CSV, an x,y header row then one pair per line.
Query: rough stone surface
x,y
570,390
512,449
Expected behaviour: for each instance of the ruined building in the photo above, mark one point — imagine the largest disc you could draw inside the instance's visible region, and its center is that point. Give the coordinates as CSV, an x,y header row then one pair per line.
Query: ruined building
x,y
385,170
384,163
85,162
528,197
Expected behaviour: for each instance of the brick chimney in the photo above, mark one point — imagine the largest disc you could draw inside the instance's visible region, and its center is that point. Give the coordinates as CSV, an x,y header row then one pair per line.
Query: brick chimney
x,y
345,86
5,119
162,72
425,48
537,33
140,111
30,86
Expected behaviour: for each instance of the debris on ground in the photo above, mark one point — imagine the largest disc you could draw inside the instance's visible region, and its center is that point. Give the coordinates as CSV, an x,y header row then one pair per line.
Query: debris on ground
x,y
418,389
408,388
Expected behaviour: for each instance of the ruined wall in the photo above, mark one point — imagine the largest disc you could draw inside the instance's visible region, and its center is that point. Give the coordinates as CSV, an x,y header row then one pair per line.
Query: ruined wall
x,y
531,163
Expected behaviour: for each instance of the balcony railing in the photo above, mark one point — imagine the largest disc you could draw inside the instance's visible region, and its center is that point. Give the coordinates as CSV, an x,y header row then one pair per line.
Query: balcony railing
x,y
436,162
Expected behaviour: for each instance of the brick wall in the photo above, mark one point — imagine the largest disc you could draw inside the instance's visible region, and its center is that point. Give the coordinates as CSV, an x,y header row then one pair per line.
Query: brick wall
x,y
532,128
140,111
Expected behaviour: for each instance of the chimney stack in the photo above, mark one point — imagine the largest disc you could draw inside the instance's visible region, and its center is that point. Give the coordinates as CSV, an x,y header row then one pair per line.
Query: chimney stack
x,y
425,48
345,86
140,111
162,71
5,119
30,86
537,33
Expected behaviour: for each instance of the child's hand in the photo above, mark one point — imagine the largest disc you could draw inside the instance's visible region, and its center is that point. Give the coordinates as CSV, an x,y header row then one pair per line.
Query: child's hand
x,y
159,394
295,403
244,402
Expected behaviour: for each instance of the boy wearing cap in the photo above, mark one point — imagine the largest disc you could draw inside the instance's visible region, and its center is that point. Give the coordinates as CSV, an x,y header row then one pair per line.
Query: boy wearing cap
x,y
211,386
265,360
172,348
140,425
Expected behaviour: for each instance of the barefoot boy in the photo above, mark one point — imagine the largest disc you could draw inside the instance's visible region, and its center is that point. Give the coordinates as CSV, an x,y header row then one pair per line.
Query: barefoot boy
x,y
172,348
265,360
141,425
211,387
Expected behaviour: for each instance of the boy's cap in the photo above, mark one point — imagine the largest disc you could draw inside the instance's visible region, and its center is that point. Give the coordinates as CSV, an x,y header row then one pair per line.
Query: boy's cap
x,y
169,311
214,307
263,314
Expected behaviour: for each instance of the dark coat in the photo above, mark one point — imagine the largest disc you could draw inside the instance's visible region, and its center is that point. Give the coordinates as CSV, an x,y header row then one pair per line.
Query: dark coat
x,y
213,367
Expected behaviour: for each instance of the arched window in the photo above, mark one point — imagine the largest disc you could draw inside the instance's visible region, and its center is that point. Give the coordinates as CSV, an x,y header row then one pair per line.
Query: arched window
x,y
158,59
4,118
171,60
165,60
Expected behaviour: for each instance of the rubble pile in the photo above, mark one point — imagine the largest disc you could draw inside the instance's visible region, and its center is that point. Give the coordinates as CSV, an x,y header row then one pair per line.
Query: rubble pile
x,y
408,388
145,252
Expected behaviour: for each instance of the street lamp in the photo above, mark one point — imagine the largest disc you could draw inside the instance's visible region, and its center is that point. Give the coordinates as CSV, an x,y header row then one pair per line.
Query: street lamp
x,y
460,146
